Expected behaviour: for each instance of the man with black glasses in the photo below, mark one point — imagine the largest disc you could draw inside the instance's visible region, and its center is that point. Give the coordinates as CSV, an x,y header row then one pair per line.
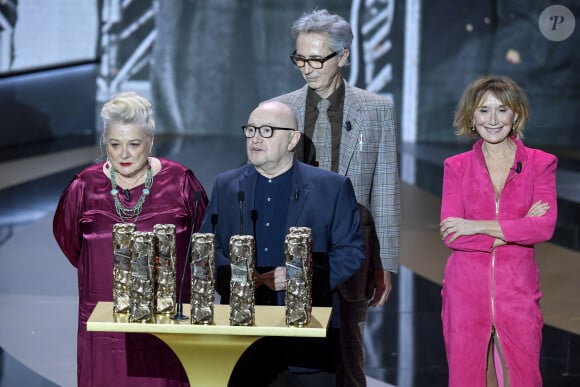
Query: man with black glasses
x,y
276,192
350,131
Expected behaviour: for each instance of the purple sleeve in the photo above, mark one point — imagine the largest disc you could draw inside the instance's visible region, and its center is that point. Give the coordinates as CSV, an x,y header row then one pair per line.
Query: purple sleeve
x,y
66,222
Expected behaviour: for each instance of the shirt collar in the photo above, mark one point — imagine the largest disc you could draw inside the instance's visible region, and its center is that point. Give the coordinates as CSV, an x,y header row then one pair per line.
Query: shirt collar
x,y
312,98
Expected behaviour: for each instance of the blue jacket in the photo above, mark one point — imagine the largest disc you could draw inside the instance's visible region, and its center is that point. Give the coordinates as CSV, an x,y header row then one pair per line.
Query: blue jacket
x,y
322,200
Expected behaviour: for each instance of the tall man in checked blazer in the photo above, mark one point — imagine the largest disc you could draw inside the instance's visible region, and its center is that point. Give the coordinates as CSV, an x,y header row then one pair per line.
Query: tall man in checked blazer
x,y
360,142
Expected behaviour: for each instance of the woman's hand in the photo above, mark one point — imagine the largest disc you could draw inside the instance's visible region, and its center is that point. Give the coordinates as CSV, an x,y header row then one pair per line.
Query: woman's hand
x,y
457,227
539,208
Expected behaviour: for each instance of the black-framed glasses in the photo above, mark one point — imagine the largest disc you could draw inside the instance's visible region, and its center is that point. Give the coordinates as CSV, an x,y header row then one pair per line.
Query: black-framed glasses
x,y
266,131
315,63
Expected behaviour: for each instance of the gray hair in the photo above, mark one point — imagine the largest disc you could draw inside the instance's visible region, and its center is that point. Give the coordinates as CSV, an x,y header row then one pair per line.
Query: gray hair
x,y
322,21
128,108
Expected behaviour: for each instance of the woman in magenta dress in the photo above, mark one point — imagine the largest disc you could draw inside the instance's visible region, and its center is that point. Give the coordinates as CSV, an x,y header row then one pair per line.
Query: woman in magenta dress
x,y
499,200
130,186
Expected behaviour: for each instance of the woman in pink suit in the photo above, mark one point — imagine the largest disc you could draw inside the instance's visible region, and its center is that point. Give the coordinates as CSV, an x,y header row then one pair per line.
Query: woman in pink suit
x,y
130,186
499,200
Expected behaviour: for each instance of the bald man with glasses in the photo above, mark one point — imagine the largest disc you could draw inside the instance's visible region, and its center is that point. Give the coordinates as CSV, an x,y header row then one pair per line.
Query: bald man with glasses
x,y
276,192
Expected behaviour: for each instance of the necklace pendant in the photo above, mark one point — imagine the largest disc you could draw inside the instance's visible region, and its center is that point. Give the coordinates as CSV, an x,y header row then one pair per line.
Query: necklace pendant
x,y
130,214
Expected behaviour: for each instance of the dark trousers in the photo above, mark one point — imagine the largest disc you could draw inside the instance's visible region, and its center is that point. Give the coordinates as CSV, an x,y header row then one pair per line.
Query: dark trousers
x,y
262,363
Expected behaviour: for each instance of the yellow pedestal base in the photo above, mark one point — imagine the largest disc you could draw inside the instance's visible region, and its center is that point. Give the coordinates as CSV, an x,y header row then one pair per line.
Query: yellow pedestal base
x,y
209,353
208,360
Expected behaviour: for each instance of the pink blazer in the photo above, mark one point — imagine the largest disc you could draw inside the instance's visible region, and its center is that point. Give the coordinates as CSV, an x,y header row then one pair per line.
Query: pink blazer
x,y
486,289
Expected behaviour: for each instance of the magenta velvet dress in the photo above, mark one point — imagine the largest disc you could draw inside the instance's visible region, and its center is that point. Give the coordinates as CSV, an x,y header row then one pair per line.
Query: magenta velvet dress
x,y
485,288
83,225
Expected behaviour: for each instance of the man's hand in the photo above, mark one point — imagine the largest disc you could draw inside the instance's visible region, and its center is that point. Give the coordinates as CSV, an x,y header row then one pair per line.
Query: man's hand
x,y
275,279
257,280
383,285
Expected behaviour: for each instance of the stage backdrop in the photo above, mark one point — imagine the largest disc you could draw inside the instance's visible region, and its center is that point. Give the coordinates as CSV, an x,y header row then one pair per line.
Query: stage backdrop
x,y
462,40
210,63
206,64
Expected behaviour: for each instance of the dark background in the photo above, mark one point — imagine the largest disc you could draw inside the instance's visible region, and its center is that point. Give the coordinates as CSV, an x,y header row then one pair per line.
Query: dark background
x,y
206,64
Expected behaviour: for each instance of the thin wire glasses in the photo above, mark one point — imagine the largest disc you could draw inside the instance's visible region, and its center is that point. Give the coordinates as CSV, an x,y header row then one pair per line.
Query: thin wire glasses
x,y
315,63
265,131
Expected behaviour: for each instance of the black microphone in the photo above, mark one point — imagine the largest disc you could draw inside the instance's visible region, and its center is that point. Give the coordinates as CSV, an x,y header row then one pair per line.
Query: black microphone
x,y
179,307
213,222
254,217
127,195
518,167
241,200
296,195
348,126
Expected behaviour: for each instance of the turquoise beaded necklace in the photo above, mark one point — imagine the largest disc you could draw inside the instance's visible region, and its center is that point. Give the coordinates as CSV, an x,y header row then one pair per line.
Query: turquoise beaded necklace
x,y
130,214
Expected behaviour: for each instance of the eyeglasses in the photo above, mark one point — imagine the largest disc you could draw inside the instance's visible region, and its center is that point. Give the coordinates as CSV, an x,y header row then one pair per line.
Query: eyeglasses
x,y
265,131
315,63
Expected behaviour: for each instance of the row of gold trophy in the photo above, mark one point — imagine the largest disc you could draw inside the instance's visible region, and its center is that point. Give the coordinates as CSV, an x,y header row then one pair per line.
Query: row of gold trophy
x,y
144,275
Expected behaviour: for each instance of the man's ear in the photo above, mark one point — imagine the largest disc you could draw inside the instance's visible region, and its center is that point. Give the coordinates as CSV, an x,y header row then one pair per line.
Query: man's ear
x,y
295,137
343,60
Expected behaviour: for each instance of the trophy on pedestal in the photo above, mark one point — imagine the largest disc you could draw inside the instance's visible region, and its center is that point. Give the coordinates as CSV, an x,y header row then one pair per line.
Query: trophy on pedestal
x,y
298,253
242,282
143,254
122,233
202,278
165,268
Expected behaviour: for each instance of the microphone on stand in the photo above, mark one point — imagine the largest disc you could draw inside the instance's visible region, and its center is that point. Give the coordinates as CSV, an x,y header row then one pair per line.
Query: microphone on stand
x,y
254,217
241,200
179,307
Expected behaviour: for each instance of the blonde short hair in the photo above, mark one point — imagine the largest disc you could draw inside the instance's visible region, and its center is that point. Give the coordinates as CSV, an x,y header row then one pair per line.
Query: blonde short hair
x,y
128,108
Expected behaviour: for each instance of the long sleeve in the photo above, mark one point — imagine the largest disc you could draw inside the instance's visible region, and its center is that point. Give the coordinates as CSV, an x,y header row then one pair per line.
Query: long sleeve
x,y
66,225
192,188
346,254
531,230
385,193
452,205
207,226
222,232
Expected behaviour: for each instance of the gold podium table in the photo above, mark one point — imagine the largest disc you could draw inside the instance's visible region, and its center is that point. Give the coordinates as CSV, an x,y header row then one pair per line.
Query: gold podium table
x,y
209,353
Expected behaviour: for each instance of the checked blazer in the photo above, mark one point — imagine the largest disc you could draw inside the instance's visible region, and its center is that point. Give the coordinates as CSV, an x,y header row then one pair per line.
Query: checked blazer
x,y
368,156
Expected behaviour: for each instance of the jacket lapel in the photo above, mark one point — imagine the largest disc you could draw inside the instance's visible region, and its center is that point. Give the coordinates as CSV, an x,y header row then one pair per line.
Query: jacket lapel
x,y
300,192
246,185
349,137
297,101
